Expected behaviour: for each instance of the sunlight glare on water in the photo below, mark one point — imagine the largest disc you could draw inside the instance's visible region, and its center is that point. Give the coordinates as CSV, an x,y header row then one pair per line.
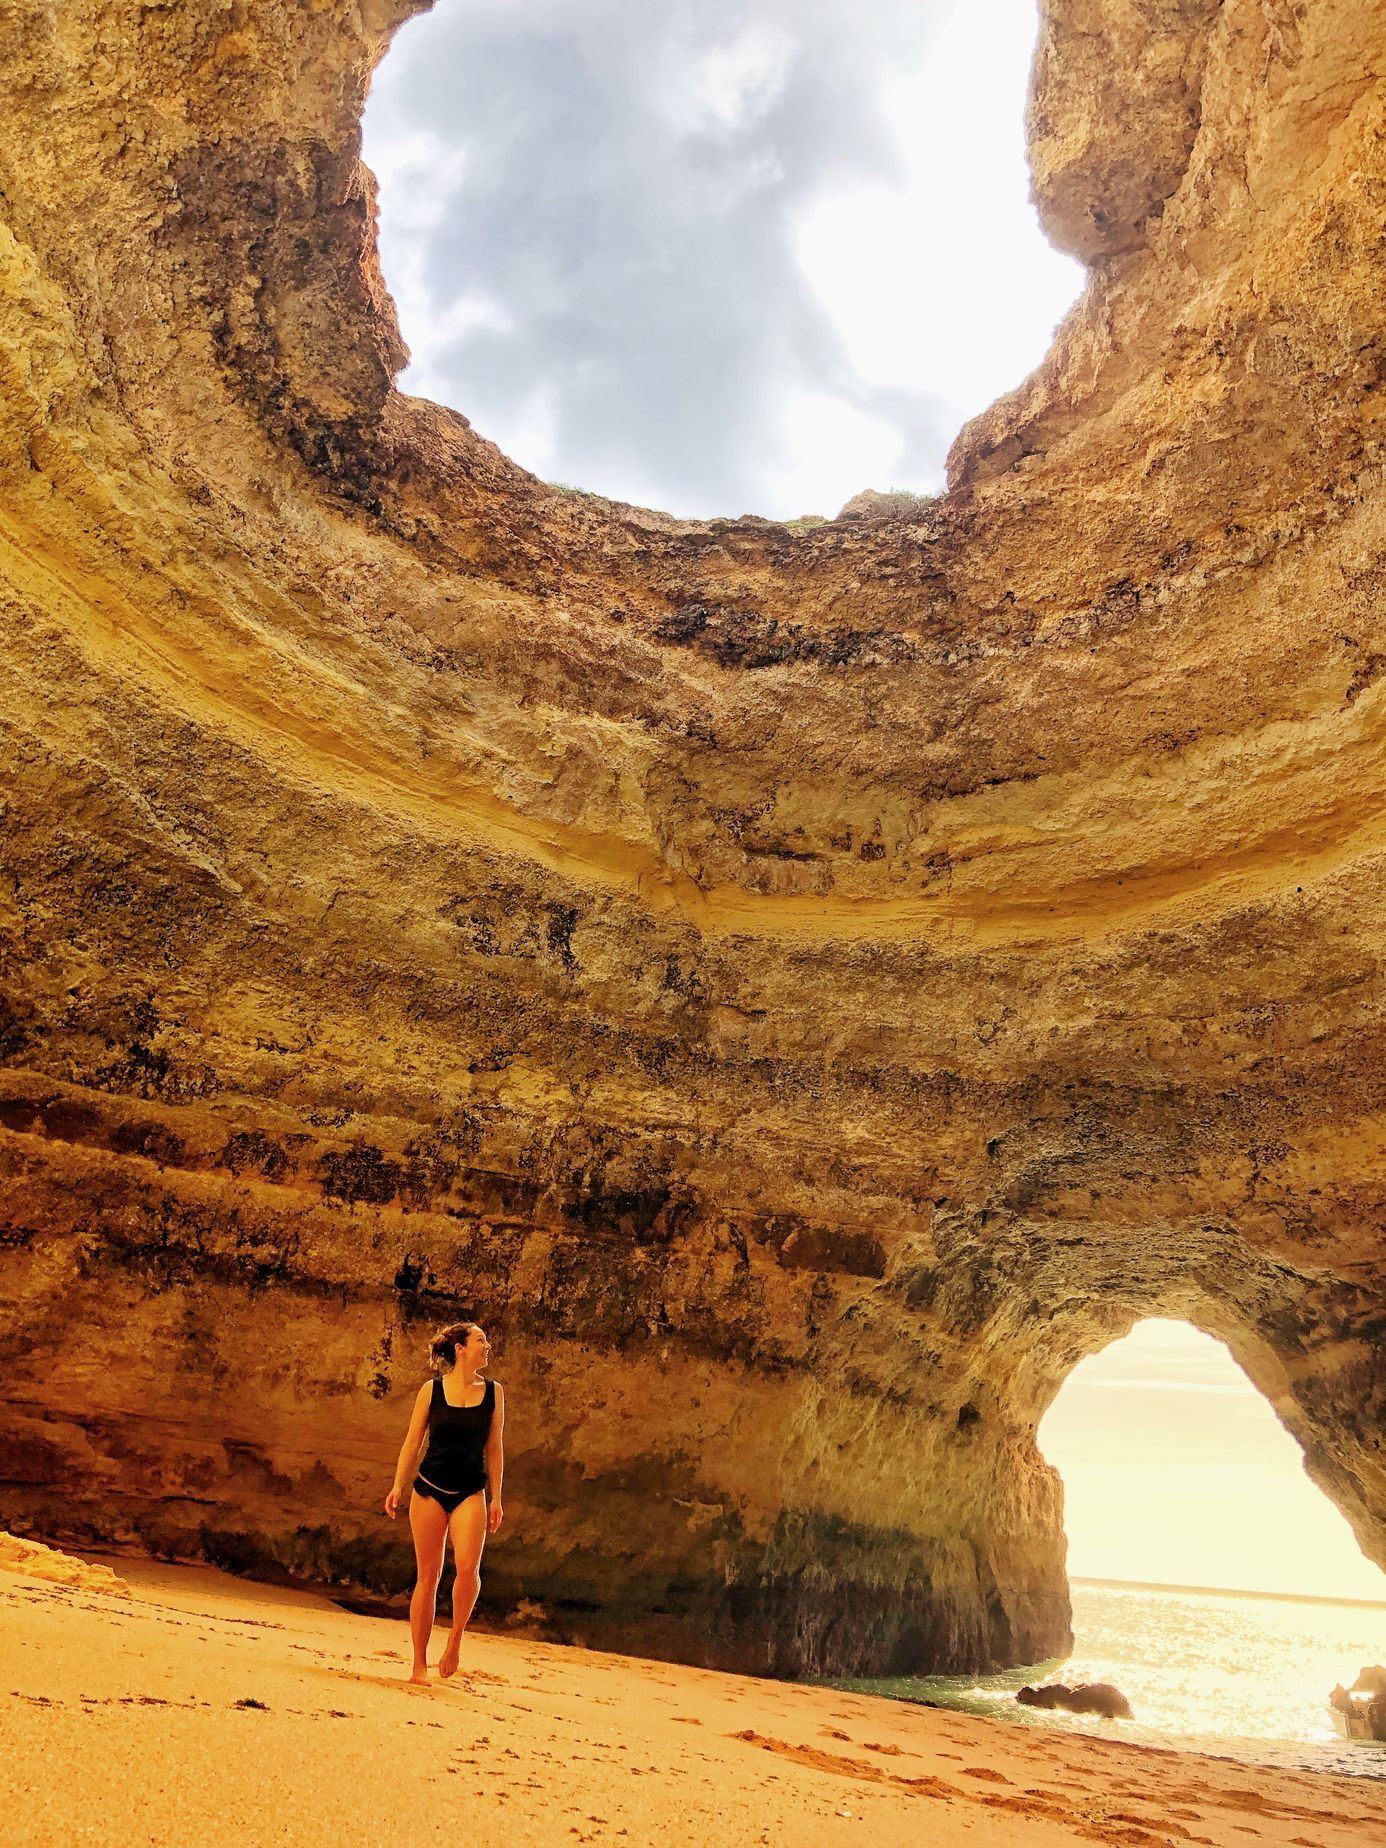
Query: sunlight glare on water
x,y
1246,1677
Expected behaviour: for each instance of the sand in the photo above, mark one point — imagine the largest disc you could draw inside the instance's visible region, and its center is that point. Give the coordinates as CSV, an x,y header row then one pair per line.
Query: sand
x,y
177,1705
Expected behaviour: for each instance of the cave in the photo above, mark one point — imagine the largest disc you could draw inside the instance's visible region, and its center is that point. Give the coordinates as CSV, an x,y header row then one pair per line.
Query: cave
x,y
802,989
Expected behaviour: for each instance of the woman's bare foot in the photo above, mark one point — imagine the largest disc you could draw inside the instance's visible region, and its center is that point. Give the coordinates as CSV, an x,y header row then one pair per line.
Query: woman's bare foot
x,y
448,1663
419,1678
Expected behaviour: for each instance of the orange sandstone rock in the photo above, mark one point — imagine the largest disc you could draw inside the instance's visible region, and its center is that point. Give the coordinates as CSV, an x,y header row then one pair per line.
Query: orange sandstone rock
x,y
804,989
31,1559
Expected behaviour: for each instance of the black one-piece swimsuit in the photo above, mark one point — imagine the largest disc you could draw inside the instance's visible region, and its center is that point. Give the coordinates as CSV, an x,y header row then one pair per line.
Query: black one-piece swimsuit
x,y
456,1456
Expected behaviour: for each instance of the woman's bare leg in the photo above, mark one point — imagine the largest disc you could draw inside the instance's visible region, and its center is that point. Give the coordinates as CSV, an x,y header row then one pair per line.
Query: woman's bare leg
x,y
429,1526
467,1523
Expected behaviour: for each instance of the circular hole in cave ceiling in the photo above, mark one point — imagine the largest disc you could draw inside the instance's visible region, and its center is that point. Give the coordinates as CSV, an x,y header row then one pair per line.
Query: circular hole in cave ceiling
x,y
717,256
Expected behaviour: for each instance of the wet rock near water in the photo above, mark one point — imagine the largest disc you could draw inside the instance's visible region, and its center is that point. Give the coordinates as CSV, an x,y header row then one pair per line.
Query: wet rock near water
x,y
1359,1712
1098,1697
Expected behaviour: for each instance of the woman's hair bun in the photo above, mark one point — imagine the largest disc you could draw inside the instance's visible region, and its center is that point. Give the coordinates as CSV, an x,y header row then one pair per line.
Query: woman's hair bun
x,y
442,1349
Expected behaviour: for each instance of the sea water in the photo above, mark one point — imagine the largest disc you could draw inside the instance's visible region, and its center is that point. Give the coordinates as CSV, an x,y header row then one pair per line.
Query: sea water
x,y
1224,1672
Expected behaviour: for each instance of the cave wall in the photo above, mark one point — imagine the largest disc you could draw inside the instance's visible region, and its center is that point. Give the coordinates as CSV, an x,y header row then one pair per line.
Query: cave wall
x,y
801,990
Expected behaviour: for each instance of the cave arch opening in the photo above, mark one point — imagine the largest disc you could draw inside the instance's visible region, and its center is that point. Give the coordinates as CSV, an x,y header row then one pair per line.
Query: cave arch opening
x,y
715,258
1177,1471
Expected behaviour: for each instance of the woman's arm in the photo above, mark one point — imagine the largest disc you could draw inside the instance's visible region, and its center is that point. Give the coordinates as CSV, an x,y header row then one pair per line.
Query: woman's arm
x,y
495,1460
411,1449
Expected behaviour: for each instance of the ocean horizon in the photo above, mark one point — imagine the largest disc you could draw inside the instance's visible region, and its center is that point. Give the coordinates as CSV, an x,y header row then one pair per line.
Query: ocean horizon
x,y
1229,1591
1236,1673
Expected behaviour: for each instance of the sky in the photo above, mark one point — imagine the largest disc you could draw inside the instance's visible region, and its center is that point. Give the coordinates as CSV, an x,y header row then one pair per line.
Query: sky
x,y
1177,1472
715,256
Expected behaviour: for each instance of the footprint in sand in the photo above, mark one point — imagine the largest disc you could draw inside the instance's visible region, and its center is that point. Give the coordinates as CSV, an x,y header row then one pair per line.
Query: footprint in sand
x,y
1038,1808
382,1681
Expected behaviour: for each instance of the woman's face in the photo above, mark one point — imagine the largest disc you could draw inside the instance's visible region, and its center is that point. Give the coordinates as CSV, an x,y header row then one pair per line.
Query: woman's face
x,y
476,1351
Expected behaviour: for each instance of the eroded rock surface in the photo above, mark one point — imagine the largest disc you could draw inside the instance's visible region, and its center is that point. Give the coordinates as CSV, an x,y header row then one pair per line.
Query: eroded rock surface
x,y
802,989
31,1559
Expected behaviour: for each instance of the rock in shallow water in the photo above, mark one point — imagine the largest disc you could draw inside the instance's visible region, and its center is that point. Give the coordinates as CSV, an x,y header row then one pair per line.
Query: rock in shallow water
x,y
1098,1697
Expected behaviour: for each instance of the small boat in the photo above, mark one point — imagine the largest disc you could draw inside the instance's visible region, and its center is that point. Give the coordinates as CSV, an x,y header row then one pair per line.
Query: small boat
x,y
1359,1712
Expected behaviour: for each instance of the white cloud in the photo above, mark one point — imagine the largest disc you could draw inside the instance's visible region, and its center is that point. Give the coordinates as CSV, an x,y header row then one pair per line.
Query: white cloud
x,y
829,447
730,255
727,88
943,281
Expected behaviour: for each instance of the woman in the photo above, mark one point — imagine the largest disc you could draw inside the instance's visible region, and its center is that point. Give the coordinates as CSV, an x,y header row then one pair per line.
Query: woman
x,y
461,1417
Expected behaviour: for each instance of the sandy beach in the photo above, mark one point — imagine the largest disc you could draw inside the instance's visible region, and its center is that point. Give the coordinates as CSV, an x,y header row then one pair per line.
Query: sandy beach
x,y
142,1702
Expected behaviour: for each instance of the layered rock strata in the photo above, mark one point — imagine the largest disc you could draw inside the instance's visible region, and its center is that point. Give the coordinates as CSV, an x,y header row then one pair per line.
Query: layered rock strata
x,y
802,990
